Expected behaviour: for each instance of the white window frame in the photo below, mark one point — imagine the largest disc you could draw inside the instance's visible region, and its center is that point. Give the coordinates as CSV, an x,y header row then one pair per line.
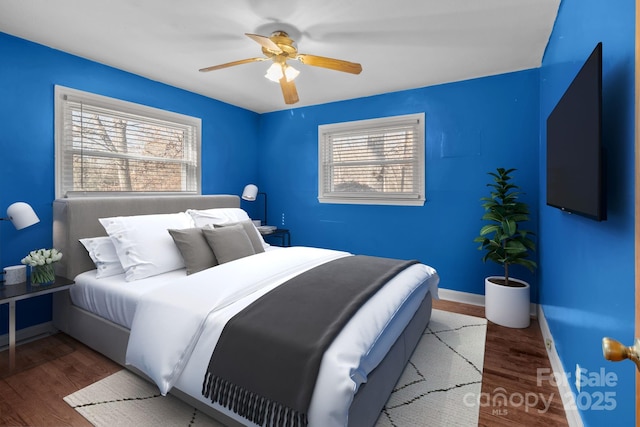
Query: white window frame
x,y
64,149
365,127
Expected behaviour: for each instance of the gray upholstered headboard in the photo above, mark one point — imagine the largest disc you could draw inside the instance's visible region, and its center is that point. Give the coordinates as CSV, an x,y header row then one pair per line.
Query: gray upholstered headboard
x,y
77,218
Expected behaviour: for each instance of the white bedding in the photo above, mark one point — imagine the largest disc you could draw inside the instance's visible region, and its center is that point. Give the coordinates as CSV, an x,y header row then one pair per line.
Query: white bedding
x,y
114,298
189,314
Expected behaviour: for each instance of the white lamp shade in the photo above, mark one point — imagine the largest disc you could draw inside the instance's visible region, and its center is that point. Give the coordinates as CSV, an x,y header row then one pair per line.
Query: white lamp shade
x,y
22,215
250,192
274,73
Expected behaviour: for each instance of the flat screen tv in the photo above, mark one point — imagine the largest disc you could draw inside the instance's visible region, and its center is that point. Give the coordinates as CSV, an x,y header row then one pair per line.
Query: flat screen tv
x,y
575,163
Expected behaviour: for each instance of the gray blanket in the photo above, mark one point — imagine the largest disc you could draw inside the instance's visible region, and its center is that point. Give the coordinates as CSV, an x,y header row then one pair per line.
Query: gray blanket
x,y
265,364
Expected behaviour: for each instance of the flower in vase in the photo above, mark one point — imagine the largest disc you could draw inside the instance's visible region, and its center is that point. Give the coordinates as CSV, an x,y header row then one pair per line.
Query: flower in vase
x,y
42,257
41,262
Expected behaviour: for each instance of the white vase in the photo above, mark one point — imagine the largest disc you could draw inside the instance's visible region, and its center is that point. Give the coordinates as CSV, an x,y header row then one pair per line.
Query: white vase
x,y
507,305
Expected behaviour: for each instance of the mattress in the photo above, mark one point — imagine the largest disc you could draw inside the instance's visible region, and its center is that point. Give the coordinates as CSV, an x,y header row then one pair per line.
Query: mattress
x,y
112,297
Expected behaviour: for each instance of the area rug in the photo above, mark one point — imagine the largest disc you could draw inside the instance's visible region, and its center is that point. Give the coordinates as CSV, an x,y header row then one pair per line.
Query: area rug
x,y
441,384
438,388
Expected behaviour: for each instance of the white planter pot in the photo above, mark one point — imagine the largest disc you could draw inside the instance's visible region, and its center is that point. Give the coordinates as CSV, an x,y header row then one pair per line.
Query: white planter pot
x,y
507,305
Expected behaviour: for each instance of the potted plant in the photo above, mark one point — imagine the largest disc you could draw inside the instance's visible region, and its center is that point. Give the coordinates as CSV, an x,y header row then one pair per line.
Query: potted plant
x,y
507,299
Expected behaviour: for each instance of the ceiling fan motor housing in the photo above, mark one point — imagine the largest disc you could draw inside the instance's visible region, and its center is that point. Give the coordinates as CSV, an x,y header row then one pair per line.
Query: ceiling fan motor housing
x,y
284,42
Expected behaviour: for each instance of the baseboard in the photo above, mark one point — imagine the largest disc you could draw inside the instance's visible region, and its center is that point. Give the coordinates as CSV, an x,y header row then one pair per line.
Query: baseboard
x,y
28,334
568,400
463,297
474,299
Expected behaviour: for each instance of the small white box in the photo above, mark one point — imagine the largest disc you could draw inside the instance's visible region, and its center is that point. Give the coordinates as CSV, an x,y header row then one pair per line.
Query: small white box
x,y
15,274
257,222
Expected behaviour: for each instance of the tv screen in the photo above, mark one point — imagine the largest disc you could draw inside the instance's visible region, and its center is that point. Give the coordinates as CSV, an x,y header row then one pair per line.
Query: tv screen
x,y
575,176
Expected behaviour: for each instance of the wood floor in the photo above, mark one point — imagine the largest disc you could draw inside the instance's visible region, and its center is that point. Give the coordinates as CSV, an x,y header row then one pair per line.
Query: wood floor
x,y
512,358
51,368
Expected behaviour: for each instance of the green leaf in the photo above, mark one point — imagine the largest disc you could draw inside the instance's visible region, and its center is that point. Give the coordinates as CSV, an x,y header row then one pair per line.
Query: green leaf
x,y
492,216
488,229
509,227
515,247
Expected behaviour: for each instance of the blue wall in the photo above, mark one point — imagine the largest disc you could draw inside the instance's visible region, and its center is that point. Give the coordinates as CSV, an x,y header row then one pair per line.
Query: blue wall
x,y
472,127
28,73
587,267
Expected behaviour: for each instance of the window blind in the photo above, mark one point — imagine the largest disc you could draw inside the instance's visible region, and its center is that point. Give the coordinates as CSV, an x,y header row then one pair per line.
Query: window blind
x,y
111,146
374,161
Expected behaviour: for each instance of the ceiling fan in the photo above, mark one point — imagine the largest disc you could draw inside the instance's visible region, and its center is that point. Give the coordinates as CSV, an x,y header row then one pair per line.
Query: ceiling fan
x,y
279,47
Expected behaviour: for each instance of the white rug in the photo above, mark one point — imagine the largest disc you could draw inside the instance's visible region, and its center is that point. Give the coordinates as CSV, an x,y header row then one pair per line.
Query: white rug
x,y
442,377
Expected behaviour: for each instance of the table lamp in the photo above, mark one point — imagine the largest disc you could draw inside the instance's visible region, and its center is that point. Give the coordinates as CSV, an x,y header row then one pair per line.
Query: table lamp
x,y
21,215
250,194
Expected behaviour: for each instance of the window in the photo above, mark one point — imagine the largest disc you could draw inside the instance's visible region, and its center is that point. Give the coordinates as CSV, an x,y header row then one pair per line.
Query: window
x,y
110,147
376,162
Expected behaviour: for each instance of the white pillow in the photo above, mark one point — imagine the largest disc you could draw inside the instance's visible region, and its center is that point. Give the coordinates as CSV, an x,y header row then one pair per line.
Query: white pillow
x,y
143,244
222,216
104,256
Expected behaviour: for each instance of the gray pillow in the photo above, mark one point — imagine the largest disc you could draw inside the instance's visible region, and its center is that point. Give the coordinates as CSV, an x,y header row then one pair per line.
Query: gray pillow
x,y
194,248
229,243
252,233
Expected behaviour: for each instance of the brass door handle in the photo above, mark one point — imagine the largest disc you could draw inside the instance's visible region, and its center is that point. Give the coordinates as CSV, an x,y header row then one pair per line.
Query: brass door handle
x,y
615,351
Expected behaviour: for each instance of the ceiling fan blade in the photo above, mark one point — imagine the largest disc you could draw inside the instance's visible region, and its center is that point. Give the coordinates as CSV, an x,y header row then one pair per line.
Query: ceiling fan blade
x,y
333,64
231,64
289,91
265,42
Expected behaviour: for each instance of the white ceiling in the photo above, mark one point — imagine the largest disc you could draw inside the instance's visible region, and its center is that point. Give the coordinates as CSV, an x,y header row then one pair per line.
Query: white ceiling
x,y
401,44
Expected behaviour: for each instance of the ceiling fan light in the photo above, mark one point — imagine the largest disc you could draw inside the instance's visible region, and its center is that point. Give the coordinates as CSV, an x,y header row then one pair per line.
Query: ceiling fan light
x,y
274,73
290,73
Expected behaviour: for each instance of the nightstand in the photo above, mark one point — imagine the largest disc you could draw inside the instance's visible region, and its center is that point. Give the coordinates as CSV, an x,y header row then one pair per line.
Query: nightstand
x,y
12,293
279,233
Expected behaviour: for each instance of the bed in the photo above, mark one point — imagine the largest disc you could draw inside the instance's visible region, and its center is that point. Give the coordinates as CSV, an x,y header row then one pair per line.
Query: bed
x,y
109,334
